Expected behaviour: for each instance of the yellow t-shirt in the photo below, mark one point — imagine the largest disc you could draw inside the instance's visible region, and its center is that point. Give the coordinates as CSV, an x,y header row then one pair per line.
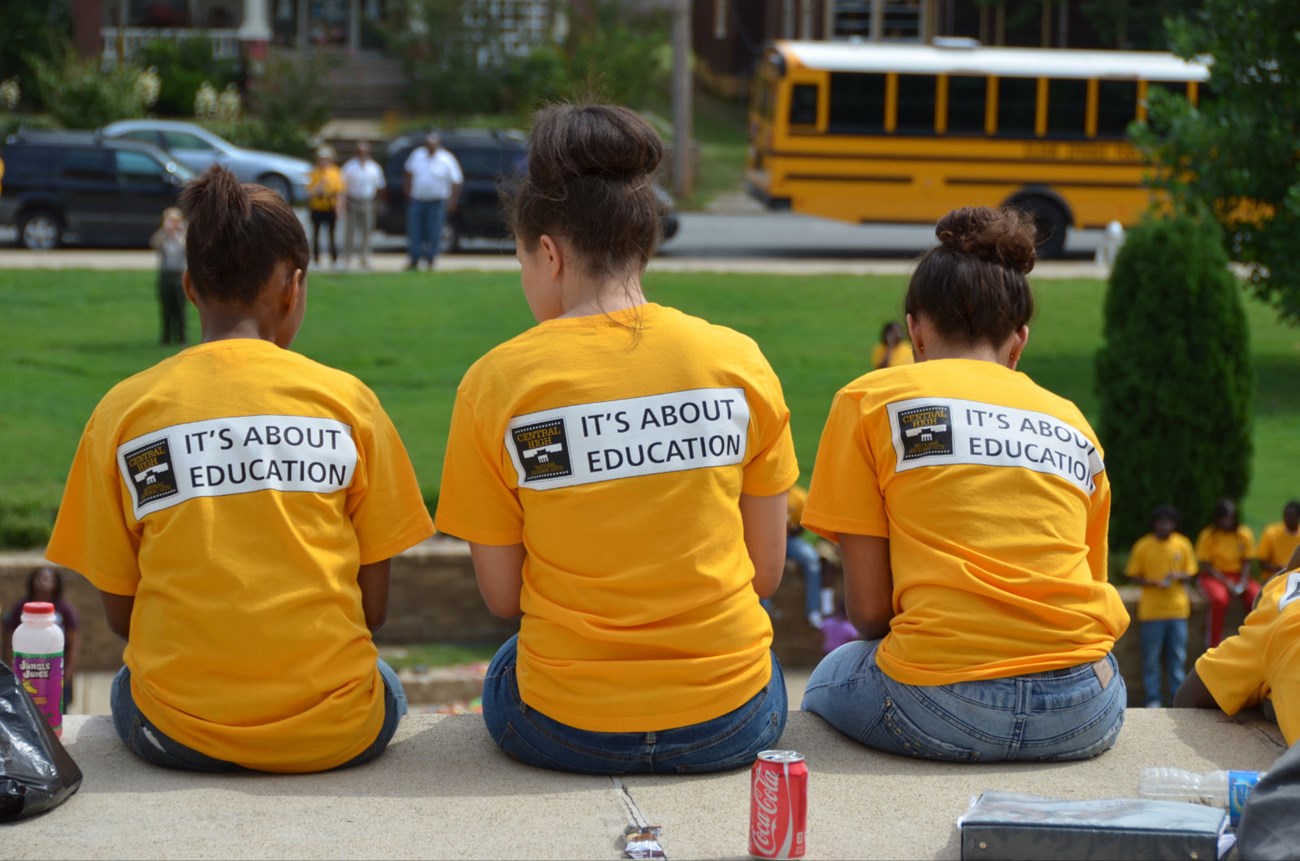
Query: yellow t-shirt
x,y
324,185
1226,551
1277,543
901,354
1151,561
795,500
1263,659
235,489
618,459
995,501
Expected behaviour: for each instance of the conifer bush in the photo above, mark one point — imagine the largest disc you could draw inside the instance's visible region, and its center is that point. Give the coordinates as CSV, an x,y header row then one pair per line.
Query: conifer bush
x,y
1174,376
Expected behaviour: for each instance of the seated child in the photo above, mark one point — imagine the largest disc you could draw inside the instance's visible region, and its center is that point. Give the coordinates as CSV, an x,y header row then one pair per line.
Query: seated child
x,y
1260,666
805,556
1163,561
1279,540
237,505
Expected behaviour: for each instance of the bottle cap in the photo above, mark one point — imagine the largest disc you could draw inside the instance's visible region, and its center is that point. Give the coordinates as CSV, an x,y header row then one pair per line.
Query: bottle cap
x,y
37,608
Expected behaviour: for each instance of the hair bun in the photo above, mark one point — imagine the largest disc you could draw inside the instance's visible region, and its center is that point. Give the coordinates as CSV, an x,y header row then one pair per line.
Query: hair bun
x,y
604,141
1004,236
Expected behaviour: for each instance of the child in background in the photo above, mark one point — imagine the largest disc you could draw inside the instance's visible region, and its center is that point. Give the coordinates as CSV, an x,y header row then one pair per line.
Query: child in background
x,y
1279,541
1163,561
805,556
324,200
46,584
893,349
1260,666
169,241
1225,549
237,506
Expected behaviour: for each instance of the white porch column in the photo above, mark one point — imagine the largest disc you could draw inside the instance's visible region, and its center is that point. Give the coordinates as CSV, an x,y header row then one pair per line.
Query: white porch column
x,y
256,26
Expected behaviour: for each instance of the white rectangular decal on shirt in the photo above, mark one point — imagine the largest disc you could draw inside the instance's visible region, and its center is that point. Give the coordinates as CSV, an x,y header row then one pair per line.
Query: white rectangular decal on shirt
x,y
241,454
587,443
939,431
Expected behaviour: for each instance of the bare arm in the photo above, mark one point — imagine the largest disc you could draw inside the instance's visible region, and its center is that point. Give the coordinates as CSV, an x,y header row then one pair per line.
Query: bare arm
x,y
117,610
1193,694
373,580
765,519
499,570
868,583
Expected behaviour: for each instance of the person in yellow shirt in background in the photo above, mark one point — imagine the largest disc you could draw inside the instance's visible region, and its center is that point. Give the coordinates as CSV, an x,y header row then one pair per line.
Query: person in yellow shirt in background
x,y
1260,665
1163,561
325,201
1279,541
804,555
972,508
1226,550
893,350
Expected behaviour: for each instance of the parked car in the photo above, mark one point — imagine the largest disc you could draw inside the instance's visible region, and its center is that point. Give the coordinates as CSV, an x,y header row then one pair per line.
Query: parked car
x,y
198,149
486,158
81,187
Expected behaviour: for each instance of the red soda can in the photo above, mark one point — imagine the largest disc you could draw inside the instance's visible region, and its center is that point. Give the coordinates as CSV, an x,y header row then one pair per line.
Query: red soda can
x,y
778,805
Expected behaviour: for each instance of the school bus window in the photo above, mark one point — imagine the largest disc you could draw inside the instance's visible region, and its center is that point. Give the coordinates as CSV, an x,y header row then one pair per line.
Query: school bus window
x,y
915,105
966,97
1116,107
1017,102
803,105
857,103
1067,107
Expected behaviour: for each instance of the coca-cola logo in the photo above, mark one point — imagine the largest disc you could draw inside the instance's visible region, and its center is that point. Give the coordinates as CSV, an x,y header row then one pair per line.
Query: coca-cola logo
x,y
765,829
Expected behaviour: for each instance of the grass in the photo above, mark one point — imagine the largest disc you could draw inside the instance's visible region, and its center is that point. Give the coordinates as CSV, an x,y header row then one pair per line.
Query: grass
x,y
70,335
428,655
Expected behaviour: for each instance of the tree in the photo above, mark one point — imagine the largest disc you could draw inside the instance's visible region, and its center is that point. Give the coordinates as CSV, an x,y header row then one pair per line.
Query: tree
x,y
1174,375
1237,154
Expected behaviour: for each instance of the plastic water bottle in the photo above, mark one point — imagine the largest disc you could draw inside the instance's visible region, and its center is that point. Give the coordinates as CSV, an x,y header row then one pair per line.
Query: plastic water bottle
x,y
38,660
1226,789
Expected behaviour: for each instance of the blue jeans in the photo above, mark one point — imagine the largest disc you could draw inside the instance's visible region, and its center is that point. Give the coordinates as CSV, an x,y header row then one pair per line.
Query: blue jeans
x,y
805,556
1165,638
424,219
1056,715
727,742
150,744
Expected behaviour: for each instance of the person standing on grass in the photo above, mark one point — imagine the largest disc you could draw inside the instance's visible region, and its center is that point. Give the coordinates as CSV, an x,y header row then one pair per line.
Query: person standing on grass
x,y
169,241
1279,540
363,179
432,182
620,471
237,506
971,507
1226,550
1163,561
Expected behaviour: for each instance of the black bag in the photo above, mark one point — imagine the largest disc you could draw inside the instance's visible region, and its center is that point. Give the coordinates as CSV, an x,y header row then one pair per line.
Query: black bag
x,y
1270,821
37,772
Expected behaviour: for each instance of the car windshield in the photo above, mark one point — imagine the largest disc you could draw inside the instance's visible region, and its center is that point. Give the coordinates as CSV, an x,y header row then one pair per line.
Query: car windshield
x,y
180,170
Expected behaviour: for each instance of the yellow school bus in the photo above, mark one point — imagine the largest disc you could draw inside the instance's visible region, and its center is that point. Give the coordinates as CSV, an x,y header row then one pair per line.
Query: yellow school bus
x,y
887,133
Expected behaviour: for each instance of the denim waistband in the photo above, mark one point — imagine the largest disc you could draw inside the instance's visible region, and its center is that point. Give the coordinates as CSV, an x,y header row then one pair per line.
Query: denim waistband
x,y
1091,666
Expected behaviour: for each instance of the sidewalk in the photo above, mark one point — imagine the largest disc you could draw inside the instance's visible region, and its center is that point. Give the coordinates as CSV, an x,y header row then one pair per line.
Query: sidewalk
x,y
443,790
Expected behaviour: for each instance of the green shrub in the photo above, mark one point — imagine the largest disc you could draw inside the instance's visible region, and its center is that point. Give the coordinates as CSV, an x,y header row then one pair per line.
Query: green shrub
x,y
183,65
25,523
1174,376
289,104
12,123
82,95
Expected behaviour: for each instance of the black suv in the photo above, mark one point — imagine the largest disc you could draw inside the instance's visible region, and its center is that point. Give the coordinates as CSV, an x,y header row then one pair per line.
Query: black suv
x,y
77,186
486,158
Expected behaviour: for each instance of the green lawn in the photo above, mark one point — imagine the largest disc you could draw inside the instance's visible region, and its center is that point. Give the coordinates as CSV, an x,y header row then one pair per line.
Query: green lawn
x,y
70,335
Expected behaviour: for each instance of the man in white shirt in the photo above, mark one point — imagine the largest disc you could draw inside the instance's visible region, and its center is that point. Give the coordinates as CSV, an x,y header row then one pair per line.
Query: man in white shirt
x,y
433,182
362,180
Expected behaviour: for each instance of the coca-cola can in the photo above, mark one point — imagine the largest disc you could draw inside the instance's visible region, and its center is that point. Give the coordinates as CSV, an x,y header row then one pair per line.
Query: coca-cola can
x,y
778,805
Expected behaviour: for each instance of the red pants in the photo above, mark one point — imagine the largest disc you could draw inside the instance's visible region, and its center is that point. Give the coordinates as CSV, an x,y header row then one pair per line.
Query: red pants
x,y
1218,596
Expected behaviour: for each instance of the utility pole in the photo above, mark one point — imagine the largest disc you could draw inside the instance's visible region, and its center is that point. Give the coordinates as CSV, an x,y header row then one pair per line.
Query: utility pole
x,y
683,135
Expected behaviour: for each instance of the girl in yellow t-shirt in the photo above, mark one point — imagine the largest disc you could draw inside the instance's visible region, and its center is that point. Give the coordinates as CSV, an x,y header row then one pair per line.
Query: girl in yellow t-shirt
x,y
971,509
892,350
620,471
1163,561
1226,550
237,506
324,200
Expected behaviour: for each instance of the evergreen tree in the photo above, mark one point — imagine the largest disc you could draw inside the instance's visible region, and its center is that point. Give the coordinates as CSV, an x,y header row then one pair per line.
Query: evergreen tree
x,y
1174,376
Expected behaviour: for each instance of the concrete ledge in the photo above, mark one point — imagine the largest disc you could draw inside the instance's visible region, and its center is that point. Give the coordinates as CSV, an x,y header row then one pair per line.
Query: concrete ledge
x,y
443,790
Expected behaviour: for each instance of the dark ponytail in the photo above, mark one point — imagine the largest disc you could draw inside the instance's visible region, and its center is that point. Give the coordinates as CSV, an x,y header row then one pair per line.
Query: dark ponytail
x,y
237,236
